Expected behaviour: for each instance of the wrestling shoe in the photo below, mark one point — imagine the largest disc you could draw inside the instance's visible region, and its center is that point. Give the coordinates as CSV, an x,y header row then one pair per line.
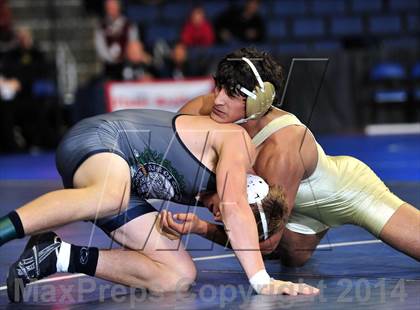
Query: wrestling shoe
x,y
38,260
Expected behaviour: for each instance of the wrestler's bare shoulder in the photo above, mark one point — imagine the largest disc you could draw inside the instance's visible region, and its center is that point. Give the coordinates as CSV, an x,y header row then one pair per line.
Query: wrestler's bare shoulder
x,y
206,123
287,136
285,143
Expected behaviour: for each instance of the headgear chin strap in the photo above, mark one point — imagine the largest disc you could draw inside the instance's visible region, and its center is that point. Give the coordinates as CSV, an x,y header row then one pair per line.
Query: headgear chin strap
x,y
257,190
260,99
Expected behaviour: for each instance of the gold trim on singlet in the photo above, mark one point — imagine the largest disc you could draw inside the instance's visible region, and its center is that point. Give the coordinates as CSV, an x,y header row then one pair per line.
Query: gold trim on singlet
x,y
275,125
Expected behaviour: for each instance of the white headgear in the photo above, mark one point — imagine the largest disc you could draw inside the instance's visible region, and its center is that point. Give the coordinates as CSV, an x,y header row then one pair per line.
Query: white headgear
x,y
257,190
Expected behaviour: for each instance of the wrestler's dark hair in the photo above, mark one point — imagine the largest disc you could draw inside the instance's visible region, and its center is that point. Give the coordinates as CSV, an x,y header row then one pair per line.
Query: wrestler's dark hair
x,y
275,208
232,72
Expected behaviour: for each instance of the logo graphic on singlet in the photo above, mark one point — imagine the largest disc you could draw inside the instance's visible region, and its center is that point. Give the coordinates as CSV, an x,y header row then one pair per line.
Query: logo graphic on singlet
x,y
154,177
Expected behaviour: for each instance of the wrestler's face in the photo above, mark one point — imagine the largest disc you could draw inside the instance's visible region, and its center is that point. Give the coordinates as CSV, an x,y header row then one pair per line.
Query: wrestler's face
x,y
227,109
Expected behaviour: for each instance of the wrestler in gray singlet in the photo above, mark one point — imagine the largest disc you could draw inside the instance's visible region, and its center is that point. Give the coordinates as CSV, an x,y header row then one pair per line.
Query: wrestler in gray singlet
x,y
161,166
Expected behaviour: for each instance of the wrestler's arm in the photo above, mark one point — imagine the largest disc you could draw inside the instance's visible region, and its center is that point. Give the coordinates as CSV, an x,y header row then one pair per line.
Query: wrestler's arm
x,y
235,159
190,223
281,163
239,220
200,105
215,233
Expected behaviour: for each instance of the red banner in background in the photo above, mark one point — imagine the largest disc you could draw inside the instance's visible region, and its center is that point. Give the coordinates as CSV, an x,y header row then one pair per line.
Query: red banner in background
x,y
167,95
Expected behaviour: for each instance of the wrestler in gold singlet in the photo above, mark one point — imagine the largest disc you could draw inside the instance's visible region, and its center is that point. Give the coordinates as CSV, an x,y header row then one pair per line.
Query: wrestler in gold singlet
x,y
341,190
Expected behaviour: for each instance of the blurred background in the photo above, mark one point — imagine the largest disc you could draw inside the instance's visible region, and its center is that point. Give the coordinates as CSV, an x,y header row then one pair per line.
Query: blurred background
x,y
63,60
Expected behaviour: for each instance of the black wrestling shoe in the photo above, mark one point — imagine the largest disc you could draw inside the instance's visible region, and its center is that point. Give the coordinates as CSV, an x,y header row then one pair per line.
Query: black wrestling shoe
x,y
38,260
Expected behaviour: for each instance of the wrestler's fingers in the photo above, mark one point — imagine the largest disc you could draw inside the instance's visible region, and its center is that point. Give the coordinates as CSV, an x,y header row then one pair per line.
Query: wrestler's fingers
x,y
306,289
218,217
164,219
184,217
288,288
160,218
162,226
181,228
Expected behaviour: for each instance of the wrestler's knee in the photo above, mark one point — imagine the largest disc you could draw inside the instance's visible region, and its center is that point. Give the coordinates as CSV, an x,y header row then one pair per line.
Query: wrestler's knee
x,y
296,249
175,280
186,276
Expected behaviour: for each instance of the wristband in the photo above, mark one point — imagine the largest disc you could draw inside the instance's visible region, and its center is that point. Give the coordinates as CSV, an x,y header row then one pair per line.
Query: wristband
x,y
259,280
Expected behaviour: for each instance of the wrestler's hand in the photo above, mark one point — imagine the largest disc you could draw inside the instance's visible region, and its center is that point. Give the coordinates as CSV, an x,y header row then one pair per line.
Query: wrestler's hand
x,y
211,201
277,287
185,223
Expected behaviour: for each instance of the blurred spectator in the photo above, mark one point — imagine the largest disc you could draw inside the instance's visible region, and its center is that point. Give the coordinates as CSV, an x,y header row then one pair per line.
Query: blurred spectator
x,y
177,65
26,113
8,89
7,37
25,63
243,24
197,31
112,37
25,60
138,63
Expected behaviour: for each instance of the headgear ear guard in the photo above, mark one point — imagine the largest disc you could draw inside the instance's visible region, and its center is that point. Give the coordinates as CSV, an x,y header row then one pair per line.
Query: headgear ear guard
x,y
260,99
257,190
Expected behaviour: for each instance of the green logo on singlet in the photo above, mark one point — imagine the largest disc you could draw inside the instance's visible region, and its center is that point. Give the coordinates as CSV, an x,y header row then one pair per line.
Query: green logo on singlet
x,y
153,176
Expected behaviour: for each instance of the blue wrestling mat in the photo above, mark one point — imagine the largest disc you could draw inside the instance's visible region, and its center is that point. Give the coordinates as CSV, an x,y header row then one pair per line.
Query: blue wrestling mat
x,y
352,268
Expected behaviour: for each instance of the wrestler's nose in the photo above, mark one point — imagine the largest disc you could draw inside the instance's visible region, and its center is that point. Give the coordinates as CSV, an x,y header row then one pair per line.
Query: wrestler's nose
x,y
220,98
